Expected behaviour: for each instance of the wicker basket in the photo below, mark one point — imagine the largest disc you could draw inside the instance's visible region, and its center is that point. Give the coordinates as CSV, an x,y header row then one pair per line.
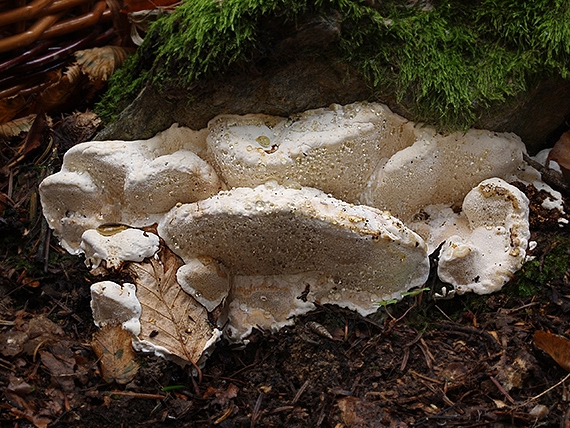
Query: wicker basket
x,y
37,36
22,23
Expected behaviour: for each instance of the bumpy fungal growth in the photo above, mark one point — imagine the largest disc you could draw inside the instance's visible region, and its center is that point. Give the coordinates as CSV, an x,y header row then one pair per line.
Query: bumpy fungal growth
x,y
133,183
111,302
485,260
333,149
289,234
116,245
441,170
270,302
269,230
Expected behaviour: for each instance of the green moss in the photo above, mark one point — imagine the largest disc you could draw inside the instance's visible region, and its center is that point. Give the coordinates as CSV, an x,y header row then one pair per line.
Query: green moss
x,y
448,61
538,273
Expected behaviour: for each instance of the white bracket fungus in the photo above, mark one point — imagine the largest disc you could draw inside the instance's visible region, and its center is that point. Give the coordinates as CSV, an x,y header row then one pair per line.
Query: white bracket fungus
x,y
361,255
487,258
111,302
286,235
441,170
132,183
206,280
116,245
333,149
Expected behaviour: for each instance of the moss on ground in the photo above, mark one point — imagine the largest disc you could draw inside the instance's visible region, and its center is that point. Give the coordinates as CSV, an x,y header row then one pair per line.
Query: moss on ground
x,y
452,58
541,272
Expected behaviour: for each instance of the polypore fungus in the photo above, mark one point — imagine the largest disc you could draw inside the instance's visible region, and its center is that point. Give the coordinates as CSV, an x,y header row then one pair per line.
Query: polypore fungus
x,y
441,170
286,235
111,302
333,149
132,183
205,279
116,245
485,260
363,255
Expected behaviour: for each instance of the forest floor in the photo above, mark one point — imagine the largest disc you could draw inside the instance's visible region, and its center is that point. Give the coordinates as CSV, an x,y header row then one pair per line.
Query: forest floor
x,y
470,361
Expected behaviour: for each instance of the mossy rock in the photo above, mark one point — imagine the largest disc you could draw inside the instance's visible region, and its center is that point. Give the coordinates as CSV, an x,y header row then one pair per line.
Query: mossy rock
x,y
455,64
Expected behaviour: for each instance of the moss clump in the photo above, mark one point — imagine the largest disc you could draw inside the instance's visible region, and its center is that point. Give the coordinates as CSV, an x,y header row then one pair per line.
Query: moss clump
x,y
538,273
446,59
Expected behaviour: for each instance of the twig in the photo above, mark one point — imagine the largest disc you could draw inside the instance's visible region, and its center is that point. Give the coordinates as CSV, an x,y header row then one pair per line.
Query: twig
x,y
415,373
549,176
520,308
300,392
66,309
135,395
443,313
471,331
536,397
503,390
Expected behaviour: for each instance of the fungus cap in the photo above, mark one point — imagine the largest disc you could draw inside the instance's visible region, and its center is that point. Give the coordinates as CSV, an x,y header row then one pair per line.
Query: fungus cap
x,y
486,259
132,183
333,149
441,170
272,230
116,247
111,302
205,279
268,302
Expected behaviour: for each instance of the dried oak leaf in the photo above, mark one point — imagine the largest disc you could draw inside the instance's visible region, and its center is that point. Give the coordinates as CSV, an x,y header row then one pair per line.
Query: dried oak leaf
x,y
117,359
557,347
100,63
61,86
16,127
170,318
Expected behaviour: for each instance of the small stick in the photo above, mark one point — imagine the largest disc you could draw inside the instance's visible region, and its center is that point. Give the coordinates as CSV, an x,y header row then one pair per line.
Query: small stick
x,y
300,392
421,376
136,395
503,390
549,176
549,389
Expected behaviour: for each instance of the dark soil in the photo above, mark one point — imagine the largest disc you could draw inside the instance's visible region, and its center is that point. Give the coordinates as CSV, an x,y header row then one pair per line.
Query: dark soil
x,y
469,361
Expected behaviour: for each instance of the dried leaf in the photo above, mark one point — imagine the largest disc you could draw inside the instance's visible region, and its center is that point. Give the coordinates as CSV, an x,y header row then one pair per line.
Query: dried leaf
x,y
16,127
10,107
12,342
117,359
64,84
224,396
557,347
38,132
170,318
100,63
363,414
39,421
62,369
19,386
